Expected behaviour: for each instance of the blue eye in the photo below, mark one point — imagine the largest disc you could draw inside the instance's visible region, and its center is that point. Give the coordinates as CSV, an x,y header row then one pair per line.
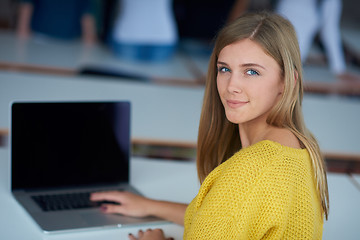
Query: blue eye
x,y
223,69
252,72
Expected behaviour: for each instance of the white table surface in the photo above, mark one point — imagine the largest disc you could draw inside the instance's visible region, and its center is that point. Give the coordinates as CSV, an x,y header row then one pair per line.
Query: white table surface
x,y
334,120
73,56
158,112
173,181
344,215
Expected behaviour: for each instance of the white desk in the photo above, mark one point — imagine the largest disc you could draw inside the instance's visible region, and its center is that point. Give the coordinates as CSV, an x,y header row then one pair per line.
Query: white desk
x,y
158,112
344,215
334,120
173,181
68,57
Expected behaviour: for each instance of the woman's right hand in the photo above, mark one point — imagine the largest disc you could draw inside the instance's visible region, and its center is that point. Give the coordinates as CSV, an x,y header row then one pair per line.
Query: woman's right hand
x,y
130,204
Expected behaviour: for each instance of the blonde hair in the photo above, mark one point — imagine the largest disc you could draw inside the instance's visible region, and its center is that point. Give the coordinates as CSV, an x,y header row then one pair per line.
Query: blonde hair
x,y
219,139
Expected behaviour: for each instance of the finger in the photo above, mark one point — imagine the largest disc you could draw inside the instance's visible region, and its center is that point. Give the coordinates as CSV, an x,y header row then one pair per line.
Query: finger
x,y
112,208
155,232
106,196
132,237
101,195
140,233
158,230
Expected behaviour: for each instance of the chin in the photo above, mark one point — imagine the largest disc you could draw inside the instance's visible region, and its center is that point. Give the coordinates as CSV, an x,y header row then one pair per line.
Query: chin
x,y
233,119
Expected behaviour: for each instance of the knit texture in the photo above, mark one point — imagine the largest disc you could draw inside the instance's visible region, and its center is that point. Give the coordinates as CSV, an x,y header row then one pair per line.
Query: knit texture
x,y
264,191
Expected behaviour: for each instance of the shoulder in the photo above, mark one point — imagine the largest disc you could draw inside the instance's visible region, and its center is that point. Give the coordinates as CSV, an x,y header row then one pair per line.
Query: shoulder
x,y
254,157
284,137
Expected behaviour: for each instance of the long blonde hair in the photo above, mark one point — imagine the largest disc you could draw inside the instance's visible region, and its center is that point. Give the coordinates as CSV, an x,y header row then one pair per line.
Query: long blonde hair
x,y
219,139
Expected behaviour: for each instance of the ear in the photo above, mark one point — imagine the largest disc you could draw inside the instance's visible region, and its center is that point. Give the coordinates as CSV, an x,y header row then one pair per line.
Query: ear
x,y
281,87
296,77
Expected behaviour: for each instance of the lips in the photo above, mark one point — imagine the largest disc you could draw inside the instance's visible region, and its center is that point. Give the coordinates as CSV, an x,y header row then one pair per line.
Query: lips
x,y
236,103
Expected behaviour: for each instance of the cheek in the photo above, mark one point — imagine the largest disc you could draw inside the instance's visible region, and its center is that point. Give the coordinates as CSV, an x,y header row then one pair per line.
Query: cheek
x,y
267,96
272,100
218,82
220,86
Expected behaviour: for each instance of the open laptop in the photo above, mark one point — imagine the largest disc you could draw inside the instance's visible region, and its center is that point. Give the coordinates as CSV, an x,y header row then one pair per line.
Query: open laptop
x,y
63,151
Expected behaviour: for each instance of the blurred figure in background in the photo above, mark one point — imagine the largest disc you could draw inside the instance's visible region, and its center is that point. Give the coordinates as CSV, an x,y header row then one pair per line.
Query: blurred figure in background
x,y
200,20
61,19
312,16
144,30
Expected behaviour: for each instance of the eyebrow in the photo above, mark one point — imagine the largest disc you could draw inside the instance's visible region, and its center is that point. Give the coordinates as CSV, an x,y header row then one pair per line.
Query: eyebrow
x,y
244,65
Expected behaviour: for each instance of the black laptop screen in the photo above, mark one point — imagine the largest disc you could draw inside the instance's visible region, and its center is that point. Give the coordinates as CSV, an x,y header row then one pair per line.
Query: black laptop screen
x,y
69,144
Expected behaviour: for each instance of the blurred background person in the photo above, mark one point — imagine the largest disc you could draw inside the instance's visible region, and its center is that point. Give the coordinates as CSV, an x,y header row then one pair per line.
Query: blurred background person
x,y
310,17
144,30
61,19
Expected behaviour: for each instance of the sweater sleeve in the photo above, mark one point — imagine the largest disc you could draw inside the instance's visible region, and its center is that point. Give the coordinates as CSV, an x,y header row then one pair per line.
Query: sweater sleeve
x,y
282,204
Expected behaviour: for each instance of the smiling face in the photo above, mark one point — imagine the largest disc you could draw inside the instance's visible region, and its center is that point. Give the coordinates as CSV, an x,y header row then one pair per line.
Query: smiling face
x,y
248,81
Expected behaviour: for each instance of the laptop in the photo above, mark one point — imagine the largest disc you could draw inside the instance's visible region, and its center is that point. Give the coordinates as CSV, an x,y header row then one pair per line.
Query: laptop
x,y
63,151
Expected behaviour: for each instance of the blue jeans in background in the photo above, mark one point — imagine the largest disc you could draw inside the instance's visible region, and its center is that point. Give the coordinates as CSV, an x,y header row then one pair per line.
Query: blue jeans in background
x,y
144,52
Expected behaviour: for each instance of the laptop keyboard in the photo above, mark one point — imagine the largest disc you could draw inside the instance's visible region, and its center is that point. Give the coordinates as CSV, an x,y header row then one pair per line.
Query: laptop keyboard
x,y
57,202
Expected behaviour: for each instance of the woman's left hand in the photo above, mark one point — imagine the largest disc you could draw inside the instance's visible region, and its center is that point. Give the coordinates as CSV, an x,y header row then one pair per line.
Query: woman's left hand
x,y
150,234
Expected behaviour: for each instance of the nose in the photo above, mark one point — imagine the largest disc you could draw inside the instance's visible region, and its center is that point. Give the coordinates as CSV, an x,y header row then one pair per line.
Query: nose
x,y
234,84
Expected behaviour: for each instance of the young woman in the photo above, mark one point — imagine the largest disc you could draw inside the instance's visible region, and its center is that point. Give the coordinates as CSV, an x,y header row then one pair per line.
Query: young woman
x,y
261,172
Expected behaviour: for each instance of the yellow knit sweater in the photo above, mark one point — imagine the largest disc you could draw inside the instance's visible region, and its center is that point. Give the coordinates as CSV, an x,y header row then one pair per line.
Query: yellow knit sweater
x,y
265,191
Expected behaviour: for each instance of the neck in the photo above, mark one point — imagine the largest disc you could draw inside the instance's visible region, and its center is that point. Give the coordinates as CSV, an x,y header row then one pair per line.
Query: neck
x,y
253,133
